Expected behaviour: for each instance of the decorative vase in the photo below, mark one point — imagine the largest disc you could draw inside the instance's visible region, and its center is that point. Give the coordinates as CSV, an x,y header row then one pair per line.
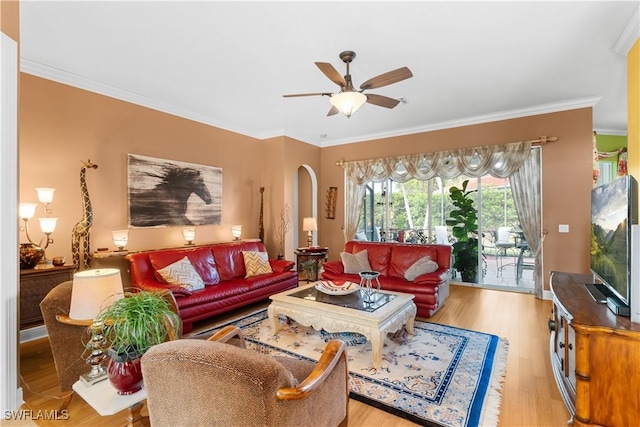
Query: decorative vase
x,y
30,255
125,374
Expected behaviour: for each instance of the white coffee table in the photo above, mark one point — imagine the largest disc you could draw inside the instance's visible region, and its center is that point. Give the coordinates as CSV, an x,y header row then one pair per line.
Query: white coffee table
x,y
104,398
375,325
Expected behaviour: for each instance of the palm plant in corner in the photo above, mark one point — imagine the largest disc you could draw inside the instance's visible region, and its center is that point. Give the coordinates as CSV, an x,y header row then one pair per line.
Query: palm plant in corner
x,y
131,326
463,220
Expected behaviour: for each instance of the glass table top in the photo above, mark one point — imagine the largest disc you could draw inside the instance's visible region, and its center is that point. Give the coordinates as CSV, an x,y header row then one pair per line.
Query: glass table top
x,y
354,300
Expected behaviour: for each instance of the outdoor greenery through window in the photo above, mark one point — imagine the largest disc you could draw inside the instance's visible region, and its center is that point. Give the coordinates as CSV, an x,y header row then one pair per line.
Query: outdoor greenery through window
x,y
412,211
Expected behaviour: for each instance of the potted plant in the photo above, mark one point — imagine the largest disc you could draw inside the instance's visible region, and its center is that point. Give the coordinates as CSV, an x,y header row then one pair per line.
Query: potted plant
x,y
463,220
131,326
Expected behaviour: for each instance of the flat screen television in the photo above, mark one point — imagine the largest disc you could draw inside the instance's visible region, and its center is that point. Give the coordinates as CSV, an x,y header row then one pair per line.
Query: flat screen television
x,y
614,208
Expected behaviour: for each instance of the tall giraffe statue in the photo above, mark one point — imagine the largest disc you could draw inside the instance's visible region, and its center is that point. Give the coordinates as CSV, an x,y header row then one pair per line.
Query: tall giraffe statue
x,y
81,229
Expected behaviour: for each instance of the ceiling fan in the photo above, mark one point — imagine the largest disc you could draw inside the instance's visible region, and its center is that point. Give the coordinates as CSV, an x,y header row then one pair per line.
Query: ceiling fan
x,y
348,100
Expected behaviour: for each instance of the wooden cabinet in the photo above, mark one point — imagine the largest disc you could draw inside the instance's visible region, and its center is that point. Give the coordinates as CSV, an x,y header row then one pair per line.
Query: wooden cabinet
x,y
34,286
595,356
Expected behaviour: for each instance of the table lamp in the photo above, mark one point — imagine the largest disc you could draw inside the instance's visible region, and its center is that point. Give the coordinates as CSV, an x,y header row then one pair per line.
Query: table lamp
x,y
189,234
236,231
309,225
92,292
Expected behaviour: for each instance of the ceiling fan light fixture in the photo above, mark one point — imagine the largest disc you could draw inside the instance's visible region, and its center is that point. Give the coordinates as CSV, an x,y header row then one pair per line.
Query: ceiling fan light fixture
x,y
348,102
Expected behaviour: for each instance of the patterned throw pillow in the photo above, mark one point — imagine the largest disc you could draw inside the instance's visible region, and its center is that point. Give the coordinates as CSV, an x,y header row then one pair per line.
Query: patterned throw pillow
x,y
256,263
422,266
355,263
182,273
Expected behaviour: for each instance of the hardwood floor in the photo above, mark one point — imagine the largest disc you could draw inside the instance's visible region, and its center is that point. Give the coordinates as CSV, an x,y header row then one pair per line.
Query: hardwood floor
x,y
529,396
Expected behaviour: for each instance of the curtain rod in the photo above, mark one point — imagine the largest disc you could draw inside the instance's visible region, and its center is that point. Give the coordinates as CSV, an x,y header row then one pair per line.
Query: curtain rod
x,y
541,141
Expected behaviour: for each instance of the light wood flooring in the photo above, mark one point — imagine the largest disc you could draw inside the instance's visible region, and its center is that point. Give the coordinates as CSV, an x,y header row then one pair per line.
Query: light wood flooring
x,y
529,396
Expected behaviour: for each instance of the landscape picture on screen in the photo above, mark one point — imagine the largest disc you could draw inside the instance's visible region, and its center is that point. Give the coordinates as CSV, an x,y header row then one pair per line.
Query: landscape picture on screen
x,y
610,216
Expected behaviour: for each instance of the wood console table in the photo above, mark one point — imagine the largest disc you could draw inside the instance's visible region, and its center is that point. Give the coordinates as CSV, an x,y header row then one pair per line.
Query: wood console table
x,y
309,261
35,284
595,356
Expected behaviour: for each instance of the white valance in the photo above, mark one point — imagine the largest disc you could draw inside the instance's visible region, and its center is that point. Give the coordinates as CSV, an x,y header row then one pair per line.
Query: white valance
x,y
497,160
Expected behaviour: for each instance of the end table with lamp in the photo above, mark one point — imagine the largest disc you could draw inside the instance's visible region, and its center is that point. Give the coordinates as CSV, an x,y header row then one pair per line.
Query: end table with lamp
x,y
309,260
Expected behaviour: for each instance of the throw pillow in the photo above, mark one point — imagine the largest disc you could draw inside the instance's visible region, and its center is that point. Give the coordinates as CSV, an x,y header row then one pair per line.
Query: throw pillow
x,y
355,263
256,263
182,273
423,266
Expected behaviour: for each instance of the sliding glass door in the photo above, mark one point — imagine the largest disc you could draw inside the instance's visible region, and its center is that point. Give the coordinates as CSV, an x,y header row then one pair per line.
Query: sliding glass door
x,y
416,212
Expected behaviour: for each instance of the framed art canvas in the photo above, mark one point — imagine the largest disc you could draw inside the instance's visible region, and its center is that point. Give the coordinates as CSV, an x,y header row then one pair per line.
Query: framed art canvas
x,y
167,193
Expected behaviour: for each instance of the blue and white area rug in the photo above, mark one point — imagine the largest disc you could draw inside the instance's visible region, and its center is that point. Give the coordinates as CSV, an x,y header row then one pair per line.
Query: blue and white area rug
x,y
441,375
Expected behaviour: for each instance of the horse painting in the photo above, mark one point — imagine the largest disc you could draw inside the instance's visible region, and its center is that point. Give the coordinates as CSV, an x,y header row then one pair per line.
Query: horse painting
x,y
163,193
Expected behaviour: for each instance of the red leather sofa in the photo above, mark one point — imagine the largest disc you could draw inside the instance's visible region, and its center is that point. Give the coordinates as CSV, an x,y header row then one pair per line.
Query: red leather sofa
x,y
392,260
222,263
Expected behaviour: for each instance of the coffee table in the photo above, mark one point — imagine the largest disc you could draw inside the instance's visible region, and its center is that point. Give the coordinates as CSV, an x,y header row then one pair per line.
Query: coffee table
x,y
346,313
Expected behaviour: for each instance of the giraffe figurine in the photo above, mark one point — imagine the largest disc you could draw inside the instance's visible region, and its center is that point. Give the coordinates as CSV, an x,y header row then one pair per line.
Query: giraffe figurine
x,y
81,229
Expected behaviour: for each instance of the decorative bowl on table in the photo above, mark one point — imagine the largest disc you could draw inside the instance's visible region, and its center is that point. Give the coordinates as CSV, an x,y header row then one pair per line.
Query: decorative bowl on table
x,y
30,255
337,288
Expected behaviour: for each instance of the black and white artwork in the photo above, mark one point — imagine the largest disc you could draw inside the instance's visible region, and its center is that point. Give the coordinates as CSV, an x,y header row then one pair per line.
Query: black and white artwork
x,y
167,193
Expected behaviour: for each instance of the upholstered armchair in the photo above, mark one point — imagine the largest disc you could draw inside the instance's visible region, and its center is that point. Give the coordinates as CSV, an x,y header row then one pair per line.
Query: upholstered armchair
x,y
66,340
219,382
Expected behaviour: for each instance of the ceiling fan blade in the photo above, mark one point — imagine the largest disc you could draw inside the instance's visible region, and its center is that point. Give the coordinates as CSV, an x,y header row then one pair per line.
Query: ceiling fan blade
x,y
306,94
382,101
333,111
332,73
387,78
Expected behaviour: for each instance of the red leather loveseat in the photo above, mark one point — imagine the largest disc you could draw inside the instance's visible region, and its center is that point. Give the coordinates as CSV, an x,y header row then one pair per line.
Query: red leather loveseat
x,y
393,260
222,269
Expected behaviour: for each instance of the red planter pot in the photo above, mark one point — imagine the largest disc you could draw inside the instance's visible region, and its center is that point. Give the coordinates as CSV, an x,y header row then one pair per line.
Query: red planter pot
x,y
125,376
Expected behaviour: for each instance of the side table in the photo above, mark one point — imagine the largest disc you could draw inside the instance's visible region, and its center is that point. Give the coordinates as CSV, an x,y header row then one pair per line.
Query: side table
x,y
35,284
104,398
309,260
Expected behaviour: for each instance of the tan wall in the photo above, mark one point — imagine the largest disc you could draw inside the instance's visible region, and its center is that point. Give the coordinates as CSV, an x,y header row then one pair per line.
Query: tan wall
x,y
10,19
566,176
60,126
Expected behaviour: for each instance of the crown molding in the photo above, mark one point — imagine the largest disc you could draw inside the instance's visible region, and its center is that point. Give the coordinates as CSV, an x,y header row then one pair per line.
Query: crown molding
x,y
64,77
629,34
50,73
574,104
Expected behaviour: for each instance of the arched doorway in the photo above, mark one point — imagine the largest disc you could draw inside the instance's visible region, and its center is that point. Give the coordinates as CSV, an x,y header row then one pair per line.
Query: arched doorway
x,y
305,202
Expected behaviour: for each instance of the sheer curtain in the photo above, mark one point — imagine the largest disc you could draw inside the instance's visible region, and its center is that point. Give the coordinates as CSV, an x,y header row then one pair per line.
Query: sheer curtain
x,y
526,188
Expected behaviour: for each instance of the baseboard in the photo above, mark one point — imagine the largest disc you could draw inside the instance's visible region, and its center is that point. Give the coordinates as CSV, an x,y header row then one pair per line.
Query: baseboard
x,y
33,333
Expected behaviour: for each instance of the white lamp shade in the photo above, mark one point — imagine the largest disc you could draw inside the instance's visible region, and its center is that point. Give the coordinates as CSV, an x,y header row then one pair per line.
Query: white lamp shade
x,y
27,210
309,224
45,195
120,238
189,234
348,102
236,231
93,291
48,225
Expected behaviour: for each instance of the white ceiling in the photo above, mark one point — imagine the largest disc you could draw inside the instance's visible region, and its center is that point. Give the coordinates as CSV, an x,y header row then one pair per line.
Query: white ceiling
x,y
229,63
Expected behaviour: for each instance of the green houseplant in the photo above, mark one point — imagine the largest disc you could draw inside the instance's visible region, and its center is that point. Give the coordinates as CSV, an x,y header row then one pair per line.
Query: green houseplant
x,y
131,326
463,220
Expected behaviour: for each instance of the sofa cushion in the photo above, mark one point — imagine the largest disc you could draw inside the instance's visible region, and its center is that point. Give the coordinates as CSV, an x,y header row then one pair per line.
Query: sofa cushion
x,y
378,255
256,263
355,263
182,273
201,259
404,256
281,265
423,266
229,259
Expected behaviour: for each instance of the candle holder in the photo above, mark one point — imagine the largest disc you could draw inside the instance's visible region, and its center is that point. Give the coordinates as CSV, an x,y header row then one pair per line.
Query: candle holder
x,y
370,293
